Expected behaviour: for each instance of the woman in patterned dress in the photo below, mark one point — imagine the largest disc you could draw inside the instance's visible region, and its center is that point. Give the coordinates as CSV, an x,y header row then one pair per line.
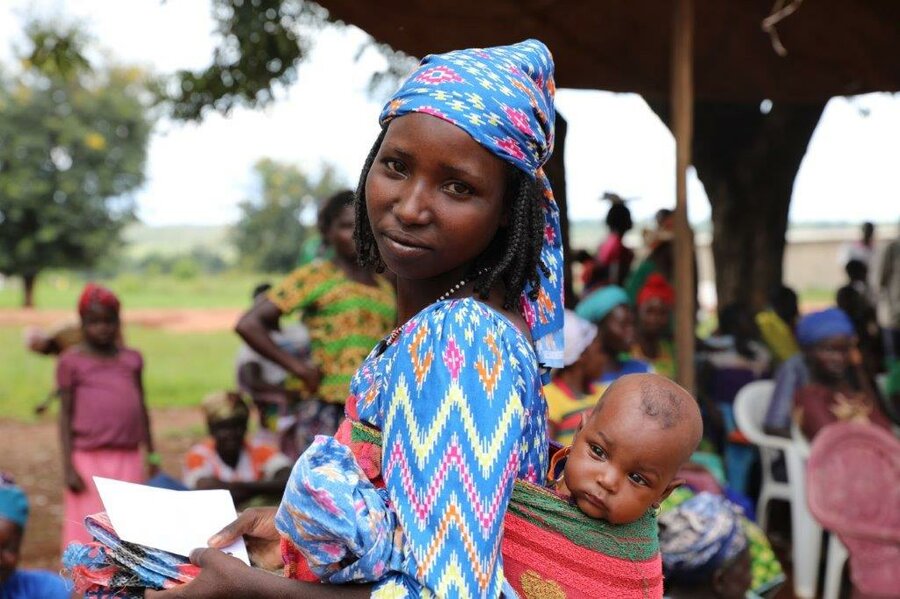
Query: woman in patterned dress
x,y
453,201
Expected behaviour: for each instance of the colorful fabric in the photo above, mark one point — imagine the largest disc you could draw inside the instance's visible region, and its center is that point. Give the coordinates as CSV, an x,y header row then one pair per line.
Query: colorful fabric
x,y
639,277
341,524
33,584
345,319
220,406
552,549
503,98
627,366
565,407
462,378
97,294
596,306
112,568
13,501
816,406
819,326
656,287
257,462
699,536
107,406
777,335
119,464
766,571
578,334
664,363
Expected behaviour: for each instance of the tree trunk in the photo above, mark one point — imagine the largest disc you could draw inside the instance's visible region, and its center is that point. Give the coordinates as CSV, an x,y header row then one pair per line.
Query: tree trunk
x,y
747,162
28,281
555,169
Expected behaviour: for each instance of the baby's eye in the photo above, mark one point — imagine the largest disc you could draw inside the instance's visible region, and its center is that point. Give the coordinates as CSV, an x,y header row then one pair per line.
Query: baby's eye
x,y
638,479
457,188
598,451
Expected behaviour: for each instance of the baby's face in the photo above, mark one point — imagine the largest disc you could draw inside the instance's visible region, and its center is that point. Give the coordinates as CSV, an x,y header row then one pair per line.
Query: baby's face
x,y
622,462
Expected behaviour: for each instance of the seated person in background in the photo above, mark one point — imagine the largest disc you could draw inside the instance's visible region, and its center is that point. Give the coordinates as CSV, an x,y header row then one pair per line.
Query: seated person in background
x,y
777,322
789,378
228,461
267,383
858,302
654,312
704,549
834,392
572,390
15,583
608,309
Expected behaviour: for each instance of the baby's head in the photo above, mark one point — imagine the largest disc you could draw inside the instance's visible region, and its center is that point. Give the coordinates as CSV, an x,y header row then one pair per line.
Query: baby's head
x,y
629,448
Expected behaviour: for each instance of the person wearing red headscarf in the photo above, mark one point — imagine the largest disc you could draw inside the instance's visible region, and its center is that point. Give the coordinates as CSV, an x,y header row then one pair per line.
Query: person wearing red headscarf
x,y
103,417
654,311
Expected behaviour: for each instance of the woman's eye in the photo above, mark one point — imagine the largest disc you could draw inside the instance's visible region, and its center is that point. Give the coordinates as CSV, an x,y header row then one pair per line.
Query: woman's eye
x,y
458,188
638,479
395,166
598,451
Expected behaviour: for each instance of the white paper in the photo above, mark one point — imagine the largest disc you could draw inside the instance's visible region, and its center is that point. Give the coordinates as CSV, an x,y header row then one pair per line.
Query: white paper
x,y
174,521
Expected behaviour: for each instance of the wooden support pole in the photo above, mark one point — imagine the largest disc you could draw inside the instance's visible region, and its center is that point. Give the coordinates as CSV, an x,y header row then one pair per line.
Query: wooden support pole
x,y
683,125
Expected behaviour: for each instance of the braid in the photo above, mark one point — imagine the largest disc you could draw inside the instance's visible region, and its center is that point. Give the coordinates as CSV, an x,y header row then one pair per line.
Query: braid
x,y
517,249
366,248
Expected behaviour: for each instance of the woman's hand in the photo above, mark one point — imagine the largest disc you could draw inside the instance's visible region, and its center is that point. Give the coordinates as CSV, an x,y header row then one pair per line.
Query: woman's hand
x,y
257,526
220,575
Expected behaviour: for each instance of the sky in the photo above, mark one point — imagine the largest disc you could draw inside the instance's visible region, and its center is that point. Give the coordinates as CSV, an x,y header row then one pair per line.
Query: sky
x,y
197,173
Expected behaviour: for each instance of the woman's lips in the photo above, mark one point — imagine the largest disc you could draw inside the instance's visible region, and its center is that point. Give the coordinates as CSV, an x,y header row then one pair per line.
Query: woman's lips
x,y
403,244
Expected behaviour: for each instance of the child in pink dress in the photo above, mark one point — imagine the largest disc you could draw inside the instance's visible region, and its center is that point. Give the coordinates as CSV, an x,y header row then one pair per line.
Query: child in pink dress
x,y
103,420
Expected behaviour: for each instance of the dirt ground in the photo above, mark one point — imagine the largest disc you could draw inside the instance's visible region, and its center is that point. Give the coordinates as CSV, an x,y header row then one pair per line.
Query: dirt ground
x,y
31,454
171,319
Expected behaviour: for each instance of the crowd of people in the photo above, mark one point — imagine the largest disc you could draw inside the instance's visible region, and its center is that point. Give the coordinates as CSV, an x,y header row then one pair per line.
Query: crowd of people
x,y
422,397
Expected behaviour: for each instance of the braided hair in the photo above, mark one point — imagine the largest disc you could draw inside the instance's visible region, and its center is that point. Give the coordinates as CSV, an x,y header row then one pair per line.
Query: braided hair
x,y
513,256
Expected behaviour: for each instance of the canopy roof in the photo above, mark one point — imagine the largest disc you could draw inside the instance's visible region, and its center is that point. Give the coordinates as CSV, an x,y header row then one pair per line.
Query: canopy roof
x,y
835,47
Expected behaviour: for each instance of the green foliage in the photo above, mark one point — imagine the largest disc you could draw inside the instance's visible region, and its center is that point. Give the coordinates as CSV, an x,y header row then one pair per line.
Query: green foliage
x,y
60,290
72,147
269,233
180,368
261,42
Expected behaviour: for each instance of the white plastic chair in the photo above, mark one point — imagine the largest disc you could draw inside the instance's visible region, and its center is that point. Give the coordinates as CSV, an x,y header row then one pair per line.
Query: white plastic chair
x,y
750,406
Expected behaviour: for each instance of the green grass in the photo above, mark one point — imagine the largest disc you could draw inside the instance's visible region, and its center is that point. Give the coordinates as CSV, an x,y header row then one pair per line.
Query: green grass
x,y
179,369
60,290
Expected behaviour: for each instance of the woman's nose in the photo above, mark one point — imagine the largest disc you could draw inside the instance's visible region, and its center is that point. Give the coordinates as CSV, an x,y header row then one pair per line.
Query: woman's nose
x,y
413,206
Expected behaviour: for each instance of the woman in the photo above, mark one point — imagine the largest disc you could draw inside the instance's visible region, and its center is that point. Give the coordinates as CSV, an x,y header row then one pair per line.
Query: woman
x,y
608,308
654,312
454,202
346,308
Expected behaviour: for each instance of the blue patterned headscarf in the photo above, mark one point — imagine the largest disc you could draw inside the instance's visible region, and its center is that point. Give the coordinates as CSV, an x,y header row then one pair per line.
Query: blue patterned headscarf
x,y
13,502
503,98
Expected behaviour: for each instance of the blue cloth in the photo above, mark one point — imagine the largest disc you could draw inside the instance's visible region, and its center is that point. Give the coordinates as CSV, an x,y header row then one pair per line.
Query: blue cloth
x,y
337,519
629,366
35,584
458,399
13,502
503,98
819,326
596,306
789,377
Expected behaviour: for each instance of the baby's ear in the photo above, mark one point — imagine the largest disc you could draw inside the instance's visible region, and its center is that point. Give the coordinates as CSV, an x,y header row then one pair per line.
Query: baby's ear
x,y
582,422
676,482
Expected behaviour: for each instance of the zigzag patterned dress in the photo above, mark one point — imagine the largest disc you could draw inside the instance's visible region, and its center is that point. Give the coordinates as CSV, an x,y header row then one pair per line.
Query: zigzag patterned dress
x,y
457,398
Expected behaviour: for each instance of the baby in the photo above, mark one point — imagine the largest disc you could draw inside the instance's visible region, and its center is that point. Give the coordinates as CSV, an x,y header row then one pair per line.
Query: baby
x,y
628,449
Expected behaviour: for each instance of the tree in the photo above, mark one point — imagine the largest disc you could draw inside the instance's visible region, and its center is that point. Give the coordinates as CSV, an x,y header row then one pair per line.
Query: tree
x,y
747,161
269,233
72,148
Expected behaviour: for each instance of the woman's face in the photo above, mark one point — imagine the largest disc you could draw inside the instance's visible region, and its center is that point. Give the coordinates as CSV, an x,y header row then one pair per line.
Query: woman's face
x,y
10,540
831,358
435,198
653,317
340,233
617,330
